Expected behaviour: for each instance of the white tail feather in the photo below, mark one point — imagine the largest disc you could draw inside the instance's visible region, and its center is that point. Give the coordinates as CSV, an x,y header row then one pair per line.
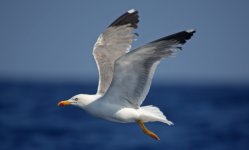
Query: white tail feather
x,y
151,113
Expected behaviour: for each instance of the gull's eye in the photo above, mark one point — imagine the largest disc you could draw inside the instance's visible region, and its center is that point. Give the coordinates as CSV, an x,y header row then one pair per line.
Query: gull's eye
x,y
76,99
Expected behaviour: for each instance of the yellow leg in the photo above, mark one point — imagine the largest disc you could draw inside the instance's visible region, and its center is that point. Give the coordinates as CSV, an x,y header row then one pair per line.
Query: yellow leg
x,y
147,131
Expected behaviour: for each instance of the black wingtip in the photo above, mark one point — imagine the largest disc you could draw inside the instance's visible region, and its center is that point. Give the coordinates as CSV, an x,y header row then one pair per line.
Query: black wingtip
x,y
181,37
129,17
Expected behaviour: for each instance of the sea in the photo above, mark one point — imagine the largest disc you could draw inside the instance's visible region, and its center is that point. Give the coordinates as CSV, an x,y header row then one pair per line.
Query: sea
x,y
205,116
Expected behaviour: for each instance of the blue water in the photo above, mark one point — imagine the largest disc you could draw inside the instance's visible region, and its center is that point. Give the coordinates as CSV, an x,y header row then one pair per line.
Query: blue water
x,y
206,117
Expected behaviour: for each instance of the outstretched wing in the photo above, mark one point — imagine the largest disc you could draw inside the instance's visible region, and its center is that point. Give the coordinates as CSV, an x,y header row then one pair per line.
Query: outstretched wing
x,y
113,43
134,71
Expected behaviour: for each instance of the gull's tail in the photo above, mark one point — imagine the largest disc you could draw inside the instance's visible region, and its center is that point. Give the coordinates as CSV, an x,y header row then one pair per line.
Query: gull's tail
x,y
151,114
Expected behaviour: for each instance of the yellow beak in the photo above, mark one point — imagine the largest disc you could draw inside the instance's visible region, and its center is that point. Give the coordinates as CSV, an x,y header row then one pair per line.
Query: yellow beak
x,y
64,103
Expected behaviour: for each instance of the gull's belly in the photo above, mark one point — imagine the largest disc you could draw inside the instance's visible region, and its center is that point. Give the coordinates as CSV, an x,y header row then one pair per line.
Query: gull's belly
x,y
126,115
114,113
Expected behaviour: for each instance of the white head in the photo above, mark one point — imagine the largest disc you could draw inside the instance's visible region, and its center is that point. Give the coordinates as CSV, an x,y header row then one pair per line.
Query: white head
x,y
80,100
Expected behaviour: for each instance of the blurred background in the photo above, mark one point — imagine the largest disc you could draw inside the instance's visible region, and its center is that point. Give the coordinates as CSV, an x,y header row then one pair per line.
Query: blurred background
x,y
46,56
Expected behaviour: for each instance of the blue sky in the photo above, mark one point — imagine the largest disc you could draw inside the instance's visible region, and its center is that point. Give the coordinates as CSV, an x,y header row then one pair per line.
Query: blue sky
x,y
53,40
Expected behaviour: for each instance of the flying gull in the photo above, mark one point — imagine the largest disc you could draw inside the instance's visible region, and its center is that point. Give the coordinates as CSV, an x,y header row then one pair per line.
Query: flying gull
x,y
125,76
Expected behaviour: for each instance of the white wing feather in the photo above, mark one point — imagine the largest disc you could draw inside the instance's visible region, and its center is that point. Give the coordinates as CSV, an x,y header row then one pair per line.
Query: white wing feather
x,y
134,71
111,44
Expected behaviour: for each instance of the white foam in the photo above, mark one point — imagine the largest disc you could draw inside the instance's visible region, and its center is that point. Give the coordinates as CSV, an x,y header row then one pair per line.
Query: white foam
x,y
190,30
131,11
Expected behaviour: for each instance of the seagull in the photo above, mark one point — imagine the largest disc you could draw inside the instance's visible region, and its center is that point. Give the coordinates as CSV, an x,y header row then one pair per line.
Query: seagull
x,y
125,76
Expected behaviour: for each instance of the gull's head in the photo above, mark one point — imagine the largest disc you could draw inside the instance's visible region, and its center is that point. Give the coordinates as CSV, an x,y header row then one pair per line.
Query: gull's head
x,y
75,100
80,100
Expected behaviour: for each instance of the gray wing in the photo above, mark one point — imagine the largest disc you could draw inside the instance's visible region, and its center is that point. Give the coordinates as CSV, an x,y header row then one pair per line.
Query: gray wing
x,y
134,71
113,43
